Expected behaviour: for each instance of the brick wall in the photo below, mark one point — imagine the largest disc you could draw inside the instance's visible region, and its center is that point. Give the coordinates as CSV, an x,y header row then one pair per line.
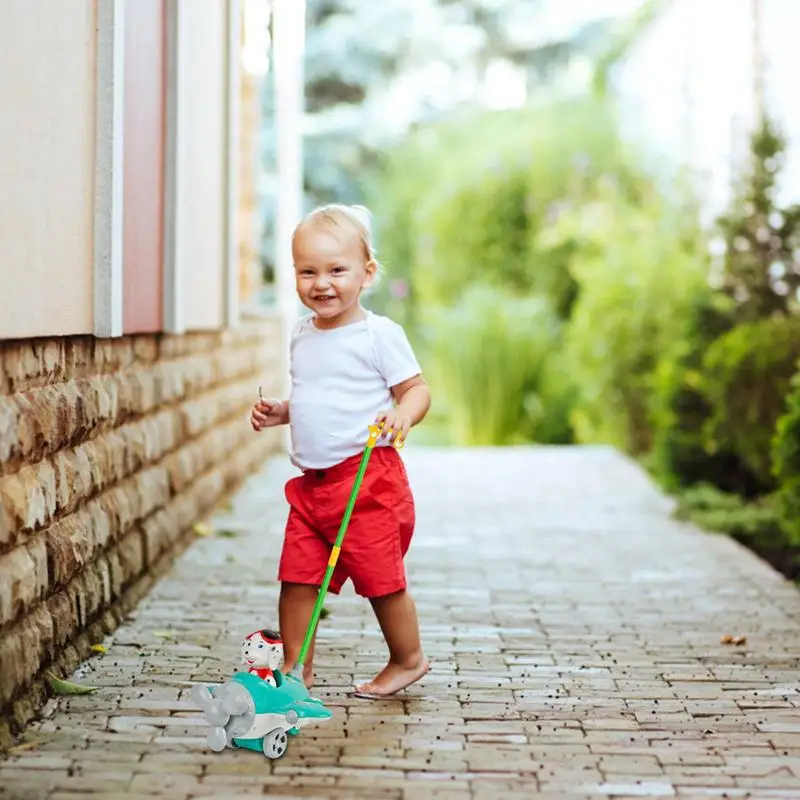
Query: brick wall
x,y
110,450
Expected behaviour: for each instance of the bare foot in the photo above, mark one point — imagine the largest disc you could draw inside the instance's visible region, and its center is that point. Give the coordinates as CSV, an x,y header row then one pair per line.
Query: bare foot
x,y
391,679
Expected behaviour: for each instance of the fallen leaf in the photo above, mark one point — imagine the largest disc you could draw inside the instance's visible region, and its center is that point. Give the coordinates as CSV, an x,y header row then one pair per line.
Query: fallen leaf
x,y
736,640
164,635
99,648
203,530
21,748
230,558
324,614
60,686
225,534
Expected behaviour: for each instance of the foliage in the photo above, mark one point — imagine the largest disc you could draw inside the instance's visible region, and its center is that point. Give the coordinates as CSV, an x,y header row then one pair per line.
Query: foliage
x,y
500,180
639,271
786,463
680,409
760,263
483,201
747,378
487,355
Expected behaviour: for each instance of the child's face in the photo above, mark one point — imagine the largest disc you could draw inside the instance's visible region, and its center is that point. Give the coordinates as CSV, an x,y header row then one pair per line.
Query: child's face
x,y
331,272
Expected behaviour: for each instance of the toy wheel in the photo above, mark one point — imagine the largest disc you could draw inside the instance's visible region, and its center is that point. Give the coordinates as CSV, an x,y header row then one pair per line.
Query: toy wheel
x,y
275,743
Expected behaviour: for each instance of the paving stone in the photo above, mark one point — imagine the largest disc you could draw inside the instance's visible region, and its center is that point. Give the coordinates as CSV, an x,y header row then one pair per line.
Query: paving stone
x,y
573,628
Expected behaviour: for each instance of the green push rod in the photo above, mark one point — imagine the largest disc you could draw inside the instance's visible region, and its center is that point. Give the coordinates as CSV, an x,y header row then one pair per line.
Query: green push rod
x,y
374,432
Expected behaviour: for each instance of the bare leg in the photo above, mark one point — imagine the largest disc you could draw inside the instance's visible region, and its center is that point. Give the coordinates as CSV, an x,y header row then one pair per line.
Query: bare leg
x,y
397,616
295,607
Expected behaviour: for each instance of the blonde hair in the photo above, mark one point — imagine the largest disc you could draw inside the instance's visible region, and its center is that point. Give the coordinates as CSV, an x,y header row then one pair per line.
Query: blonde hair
x,y
356,220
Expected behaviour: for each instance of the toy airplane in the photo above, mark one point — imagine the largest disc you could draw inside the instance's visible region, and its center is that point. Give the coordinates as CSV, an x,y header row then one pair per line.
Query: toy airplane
x,y
258,709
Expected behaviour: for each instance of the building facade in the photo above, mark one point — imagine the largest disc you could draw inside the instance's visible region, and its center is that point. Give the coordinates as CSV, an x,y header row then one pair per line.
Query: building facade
x,y
129,350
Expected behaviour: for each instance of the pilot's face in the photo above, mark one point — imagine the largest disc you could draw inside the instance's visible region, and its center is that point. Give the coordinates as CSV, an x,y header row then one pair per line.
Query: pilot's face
x,y
258,653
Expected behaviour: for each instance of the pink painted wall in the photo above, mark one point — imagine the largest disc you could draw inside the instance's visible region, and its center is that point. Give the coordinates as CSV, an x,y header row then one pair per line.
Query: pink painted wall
x,y
143,165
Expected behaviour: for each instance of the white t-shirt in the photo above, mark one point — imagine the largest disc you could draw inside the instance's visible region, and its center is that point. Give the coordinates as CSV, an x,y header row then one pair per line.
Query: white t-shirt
x,y
341,380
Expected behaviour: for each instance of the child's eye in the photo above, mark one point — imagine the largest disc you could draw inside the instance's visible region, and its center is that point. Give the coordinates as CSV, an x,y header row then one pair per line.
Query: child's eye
x,y
338,270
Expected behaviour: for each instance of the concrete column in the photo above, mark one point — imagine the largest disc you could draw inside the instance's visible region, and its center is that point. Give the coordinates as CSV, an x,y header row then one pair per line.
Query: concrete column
x,y
110,98
289,51
232,162
174,313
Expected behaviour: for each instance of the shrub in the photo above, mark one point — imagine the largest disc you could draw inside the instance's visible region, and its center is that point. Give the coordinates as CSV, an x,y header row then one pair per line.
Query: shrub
x,y
747,378
786,463
760,263
680,409
639,274
487,355
473,200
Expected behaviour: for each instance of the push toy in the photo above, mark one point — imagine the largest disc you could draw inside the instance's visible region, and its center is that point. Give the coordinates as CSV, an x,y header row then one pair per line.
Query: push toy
x,y
260,708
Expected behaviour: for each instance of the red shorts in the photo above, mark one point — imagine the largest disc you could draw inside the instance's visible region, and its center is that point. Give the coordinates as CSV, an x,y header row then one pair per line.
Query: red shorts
x,y
377,537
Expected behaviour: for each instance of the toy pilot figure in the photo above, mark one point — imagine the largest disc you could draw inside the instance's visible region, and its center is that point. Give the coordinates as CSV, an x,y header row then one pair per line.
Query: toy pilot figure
x,y
262,651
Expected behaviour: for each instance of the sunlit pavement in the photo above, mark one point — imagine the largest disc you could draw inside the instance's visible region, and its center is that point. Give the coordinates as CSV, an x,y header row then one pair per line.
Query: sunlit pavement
x,y
574,630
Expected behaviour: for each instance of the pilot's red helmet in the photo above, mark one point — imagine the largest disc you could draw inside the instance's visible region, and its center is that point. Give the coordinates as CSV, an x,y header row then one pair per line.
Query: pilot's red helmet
x,y
268,636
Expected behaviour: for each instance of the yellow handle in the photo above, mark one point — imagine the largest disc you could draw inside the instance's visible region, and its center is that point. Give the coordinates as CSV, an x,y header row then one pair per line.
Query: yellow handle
x,y
376,430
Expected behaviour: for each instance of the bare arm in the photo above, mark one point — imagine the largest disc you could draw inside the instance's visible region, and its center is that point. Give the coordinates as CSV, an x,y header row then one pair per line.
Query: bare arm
x,y
413,399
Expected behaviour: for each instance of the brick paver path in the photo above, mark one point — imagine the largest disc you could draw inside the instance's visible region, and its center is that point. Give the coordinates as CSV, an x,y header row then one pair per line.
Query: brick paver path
x,y
573,627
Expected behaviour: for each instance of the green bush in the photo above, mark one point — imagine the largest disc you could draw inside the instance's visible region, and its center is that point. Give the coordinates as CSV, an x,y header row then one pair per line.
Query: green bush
x,y
786,463
639,273
487,358
747,374
680,409
473,200
474,203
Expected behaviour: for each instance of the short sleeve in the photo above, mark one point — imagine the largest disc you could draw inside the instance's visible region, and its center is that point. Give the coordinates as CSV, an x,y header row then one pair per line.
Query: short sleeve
x,y
396,359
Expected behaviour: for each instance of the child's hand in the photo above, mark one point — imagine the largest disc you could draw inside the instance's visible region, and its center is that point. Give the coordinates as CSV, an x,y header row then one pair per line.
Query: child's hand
x,y
267,414
396,424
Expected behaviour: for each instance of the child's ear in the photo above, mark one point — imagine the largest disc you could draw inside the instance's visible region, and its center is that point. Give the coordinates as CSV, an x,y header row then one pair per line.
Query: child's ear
x,y
372,270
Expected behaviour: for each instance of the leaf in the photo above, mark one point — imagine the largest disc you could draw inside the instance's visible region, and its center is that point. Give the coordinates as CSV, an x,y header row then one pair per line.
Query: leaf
x,y
99,648
21,748
226,534
734,640
165,635
324,614
201,529
60,686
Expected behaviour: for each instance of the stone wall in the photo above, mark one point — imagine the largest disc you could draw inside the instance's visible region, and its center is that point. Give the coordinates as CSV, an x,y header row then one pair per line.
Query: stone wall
x,y
110,451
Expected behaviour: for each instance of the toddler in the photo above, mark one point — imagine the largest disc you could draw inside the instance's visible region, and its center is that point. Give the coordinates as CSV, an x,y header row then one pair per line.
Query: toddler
x,y
350,368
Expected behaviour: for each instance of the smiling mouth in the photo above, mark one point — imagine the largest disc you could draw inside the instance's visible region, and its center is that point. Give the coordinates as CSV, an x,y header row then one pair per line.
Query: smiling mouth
x,y
250,660
321,297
